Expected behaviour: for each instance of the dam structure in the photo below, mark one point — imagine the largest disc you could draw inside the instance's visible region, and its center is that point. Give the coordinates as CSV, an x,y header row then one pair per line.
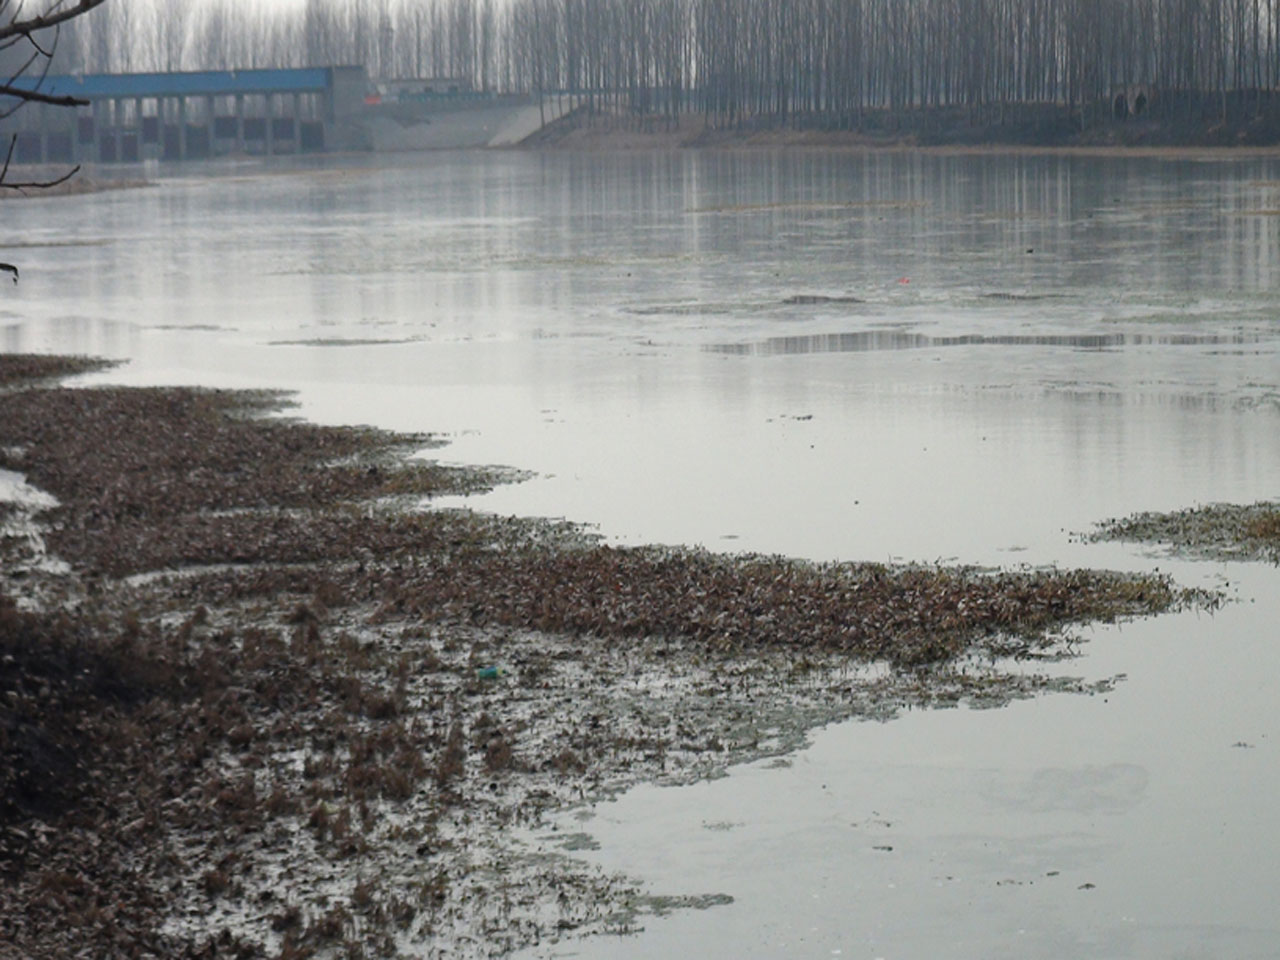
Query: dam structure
x,y
138,117
133,117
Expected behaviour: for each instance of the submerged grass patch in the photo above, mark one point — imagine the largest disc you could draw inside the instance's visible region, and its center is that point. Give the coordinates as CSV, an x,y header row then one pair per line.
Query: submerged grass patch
x,y
21,368
270,710
1221,530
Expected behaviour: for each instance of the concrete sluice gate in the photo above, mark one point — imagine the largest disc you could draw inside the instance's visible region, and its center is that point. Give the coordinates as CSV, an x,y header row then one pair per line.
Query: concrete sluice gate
x,y
178,116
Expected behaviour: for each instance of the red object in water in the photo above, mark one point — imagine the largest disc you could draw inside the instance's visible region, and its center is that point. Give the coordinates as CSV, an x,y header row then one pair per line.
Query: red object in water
x,y
904,279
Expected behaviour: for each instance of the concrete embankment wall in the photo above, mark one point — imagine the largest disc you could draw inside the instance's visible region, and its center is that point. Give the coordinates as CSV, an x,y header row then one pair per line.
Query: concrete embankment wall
x,y
494,122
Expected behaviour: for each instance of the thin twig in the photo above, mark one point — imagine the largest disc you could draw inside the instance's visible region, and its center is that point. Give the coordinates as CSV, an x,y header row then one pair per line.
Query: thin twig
x,y
13,142
42,184
44,72
53,17
47,53
64,101
24,68
18,105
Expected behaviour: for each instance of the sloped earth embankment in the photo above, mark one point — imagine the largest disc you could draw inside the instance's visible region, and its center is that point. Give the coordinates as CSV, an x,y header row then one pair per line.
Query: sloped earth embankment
x,y
256,699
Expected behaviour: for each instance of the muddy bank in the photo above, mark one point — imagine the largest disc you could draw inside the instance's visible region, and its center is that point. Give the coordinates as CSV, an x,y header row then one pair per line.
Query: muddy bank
x,y
580,132
27,182
261,699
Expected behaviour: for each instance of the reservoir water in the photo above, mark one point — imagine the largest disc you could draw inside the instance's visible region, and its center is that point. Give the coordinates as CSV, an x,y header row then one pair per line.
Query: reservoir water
x,y
924,357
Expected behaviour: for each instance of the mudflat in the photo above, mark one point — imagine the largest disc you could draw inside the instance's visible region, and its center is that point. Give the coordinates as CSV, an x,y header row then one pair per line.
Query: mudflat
x,y
261,698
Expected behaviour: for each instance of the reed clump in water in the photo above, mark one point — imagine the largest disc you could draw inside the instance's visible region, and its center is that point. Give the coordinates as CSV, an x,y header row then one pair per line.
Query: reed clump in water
x,y
22,368
1222,530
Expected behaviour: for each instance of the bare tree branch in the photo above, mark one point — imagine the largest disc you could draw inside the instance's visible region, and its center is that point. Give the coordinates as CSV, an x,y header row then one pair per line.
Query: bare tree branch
x,y
36,96
16,31
42,184
8,157
30,184
52,17
48,54
33,93
25,67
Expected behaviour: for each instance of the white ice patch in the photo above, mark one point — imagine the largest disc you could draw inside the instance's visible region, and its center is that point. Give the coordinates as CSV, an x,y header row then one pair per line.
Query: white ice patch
x,y
15,489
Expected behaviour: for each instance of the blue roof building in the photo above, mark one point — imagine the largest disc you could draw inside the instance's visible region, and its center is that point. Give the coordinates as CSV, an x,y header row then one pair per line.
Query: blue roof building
x,y
202,83
175,116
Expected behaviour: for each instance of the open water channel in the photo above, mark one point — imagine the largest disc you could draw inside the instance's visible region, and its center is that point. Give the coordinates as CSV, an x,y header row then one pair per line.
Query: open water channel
x,y
828,355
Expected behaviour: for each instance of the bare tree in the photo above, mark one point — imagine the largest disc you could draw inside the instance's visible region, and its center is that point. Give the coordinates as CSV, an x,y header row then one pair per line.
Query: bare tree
x,y
29,43
923,65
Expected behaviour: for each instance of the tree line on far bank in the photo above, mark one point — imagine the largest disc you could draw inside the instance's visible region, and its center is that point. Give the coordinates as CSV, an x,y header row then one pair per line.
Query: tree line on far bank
x,y
829,62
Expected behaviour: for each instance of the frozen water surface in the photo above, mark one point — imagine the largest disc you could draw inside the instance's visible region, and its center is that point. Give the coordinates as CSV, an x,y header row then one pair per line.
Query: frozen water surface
x,y
1134,823
828,355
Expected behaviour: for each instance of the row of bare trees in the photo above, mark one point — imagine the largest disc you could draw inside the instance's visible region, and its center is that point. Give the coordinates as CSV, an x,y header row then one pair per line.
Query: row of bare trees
x,y
729,59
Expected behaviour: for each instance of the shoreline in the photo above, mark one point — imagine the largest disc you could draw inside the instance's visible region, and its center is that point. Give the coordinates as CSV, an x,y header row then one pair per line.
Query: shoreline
x,y
81,184
298,710
567,140
605,134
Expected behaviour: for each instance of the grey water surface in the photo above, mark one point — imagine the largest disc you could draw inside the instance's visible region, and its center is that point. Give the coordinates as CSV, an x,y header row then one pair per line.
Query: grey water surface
x,y
828,355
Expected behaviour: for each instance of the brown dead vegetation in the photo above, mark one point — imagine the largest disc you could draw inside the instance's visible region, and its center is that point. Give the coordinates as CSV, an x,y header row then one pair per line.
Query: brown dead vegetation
x,y
1224,531
318,686
23,368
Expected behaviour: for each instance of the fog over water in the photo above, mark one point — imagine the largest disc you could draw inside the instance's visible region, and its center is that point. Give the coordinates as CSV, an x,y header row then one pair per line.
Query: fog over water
x,y
827,355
